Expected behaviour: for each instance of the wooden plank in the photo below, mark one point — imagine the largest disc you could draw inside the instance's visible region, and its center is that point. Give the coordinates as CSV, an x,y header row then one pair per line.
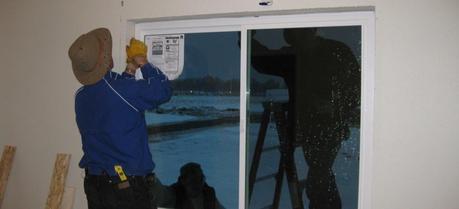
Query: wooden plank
x,y
56,189
68,198
5,168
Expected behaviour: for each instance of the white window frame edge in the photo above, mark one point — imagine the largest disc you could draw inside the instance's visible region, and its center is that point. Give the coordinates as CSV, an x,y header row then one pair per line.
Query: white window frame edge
x,y
364,19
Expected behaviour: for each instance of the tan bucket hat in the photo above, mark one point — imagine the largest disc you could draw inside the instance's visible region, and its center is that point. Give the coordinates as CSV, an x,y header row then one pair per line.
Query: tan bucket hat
x,y
91,56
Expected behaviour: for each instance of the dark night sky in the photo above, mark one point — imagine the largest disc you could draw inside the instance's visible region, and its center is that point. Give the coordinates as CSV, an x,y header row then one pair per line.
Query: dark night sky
x,y
218,54
215,54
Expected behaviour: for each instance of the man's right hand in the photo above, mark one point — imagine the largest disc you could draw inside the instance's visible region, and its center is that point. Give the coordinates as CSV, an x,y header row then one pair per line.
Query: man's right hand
x,y
130,68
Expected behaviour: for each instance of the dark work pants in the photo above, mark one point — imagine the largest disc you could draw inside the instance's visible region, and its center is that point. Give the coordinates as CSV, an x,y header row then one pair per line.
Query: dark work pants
x,y
321,143
102,192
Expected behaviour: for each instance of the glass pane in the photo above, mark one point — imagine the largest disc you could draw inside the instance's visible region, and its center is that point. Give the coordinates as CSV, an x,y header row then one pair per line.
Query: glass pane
x,y
304,113
201,122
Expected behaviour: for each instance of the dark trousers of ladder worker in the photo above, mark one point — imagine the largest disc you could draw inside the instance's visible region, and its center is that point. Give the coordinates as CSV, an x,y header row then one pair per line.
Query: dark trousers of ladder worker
x,y
102,192
321,138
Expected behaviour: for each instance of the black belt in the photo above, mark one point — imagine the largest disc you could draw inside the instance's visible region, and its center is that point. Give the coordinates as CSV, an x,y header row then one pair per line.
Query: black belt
x,y
149,178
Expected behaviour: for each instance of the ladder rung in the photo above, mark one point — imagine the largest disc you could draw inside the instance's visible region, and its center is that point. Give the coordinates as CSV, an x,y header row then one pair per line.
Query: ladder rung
x,y
262,178
271,148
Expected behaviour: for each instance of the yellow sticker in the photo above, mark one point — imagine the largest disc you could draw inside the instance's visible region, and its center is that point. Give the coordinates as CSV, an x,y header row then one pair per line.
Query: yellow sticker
x,y
120,172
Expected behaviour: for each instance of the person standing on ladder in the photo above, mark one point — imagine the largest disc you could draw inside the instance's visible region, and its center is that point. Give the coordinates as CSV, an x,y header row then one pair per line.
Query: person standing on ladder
x,y
110,117
323,80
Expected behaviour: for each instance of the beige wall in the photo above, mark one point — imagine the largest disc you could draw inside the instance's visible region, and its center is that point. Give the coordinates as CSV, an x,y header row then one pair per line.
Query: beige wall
x,y
416,158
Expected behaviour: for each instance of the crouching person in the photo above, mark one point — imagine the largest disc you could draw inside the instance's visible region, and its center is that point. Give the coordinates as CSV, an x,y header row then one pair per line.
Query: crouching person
x,y
189,192
110,117
192,191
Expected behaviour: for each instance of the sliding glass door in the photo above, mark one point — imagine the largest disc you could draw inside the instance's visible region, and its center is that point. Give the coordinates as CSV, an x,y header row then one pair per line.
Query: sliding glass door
x,y
304,117
200,124
277,111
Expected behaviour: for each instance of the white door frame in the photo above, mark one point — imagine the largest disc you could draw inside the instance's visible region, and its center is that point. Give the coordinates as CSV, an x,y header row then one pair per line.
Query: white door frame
x,y
364,19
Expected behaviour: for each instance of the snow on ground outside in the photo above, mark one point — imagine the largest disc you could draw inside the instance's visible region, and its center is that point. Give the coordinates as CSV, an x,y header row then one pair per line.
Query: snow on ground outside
x,y
217,150
218,156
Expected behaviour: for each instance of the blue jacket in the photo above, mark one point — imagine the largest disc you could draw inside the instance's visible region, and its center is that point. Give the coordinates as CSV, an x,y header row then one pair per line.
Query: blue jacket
x,y
111,120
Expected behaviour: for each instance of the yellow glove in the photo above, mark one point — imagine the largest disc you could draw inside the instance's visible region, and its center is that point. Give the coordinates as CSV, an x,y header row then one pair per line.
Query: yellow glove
x,y
135,48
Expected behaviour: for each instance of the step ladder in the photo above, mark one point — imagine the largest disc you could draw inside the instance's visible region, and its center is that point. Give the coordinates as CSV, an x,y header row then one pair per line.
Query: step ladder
x,y
286,163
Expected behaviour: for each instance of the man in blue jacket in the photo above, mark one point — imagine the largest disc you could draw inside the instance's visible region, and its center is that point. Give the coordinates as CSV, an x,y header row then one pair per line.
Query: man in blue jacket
x,y
110,117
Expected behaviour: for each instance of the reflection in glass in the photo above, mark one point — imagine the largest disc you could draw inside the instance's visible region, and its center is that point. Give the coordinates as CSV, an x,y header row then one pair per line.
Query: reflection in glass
x,y
201,122
304,117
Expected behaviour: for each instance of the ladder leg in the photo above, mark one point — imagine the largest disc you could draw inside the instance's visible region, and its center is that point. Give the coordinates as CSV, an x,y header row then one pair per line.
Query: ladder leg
x,y
293,183
286,161
287,152
258,150
279,180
